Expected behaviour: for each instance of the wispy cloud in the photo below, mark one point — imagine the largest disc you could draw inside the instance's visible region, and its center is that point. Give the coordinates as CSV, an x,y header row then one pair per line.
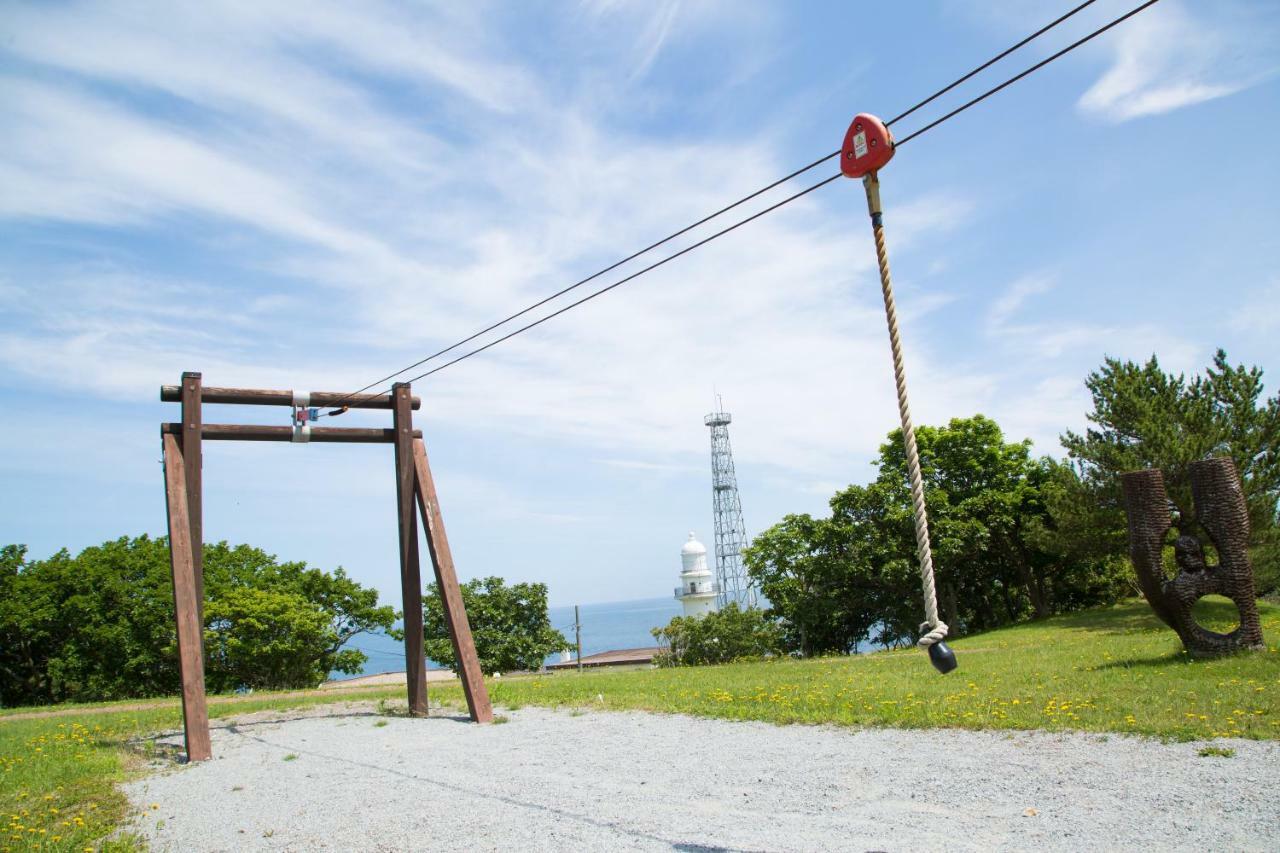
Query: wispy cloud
x,y
645,465
351,213
655,36
1167,58
1008,303
1045,352
1260,311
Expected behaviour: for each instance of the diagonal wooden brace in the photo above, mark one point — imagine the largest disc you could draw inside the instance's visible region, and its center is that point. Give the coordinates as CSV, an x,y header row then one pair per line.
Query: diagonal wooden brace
x,y
195,715
455,613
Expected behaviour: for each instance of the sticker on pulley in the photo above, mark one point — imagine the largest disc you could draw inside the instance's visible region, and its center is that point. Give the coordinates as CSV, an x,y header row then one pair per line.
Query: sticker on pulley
x,y
860,145
867,146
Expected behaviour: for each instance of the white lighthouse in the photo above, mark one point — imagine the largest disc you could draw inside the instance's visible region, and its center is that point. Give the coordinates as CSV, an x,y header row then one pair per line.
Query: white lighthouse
x,y
697,590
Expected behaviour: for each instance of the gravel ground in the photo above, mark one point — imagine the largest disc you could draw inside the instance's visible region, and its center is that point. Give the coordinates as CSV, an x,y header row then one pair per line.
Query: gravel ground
x,y
555,780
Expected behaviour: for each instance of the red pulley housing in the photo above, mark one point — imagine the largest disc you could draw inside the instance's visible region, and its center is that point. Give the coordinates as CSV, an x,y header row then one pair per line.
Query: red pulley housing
x,y
868,145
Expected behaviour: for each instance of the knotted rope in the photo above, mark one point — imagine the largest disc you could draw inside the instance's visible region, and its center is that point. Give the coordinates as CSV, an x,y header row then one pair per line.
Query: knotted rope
x,y
933,629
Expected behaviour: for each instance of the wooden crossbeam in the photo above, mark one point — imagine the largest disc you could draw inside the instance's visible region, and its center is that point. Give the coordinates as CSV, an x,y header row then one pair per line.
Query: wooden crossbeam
x,y
319,435
269,397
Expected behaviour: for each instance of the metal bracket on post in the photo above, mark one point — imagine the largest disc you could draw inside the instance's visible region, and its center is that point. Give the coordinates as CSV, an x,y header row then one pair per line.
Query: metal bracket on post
x,y
301,417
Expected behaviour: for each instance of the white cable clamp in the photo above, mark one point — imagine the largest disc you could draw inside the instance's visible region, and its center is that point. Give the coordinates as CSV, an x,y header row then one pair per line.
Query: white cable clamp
x,y
301,426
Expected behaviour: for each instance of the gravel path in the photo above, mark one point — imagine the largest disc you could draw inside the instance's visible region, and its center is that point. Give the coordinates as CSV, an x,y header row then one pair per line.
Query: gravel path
x,y
554,780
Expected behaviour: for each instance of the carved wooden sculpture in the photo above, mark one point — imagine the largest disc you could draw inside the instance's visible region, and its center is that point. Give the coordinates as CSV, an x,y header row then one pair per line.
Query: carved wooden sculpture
x,y
1220,511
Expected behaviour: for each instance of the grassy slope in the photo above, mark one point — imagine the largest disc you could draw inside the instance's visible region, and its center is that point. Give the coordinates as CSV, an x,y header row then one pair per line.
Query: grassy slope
x,y
1115,670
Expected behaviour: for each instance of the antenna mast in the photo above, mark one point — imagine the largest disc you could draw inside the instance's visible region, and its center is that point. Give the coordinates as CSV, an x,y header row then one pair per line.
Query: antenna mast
x,y
731,533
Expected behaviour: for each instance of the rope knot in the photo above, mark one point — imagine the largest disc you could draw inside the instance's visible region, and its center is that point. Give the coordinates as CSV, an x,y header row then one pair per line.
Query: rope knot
x,y
931,634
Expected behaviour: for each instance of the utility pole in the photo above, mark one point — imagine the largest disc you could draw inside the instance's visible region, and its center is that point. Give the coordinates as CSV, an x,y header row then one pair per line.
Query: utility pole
x,y
577,630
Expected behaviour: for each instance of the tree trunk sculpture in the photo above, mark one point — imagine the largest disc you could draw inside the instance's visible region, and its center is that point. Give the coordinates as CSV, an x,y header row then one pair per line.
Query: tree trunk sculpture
x,y
1220,507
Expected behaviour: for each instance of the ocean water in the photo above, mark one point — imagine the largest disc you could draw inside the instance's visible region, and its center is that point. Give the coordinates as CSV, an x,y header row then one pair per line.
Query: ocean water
x,y
614,625
618,624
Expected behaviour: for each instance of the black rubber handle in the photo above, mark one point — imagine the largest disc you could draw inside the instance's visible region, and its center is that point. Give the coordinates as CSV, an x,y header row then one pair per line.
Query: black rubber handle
x,y
942,658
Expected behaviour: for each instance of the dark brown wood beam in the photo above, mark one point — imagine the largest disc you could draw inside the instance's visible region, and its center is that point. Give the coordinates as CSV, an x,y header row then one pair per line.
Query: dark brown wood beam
x,y
455,612
410,568
195,715
255,432
268,397
193,459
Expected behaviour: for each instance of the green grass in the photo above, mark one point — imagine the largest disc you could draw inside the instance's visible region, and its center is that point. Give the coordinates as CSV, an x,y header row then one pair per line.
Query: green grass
x,y
1112,670
59,775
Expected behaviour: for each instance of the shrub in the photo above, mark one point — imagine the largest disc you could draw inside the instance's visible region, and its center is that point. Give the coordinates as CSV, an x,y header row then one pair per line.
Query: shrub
x,y
721,637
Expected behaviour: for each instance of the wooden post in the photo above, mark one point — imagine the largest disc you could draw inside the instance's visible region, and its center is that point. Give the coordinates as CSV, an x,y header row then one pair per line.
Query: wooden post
x,y
410,571
195,716
193,465
577,631
455,612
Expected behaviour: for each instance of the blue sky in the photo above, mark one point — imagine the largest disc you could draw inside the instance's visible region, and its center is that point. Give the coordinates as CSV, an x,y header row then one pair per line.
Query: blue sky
x,y
311,195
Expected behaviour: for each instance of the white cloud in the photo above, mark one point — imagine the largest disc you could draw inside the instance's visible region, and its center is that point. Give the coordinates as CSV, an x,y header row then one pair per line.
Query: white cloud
x,y
359,225
1008,304
784,315
1260,312
655,36
1039,389
1165,59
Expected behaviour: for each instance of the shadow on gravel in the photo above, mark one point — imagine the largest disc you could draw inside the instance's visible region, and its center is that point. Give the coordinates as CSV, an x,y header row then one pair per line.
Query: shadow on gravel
x,y
498,798
155,747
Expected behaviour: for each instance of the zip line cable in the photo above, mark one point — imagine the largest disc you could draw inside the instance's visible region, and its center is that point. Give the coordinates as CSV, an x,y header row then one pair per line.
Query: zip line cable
x,y
593,276
953,113
623,281
710,216
992,61
1042,63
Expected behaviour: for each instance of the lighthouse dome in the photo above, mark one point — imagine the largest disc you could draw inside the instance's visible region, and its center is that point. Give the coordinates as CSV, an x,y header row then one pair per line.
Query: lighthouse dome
x,y
693,547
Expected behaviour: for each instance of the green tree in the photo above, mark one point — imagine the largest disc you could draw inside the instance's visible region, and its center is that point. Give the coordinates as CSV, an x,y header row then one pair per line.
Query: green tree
x,y
722,636
832,582
349,609
25,638
100,625
266,639
852,577
1143,417
510,625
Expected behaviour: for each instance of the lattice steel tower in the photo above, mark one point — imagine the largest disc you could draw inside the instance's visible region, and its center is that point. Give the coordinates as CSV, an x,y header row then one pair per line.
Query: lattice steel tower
x,y
731,533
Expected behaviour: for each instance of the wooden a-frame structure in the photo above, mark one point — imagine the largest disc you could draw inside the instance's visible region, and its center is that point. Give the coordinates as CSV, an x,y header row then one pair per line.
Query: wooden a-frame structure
x,y
182,444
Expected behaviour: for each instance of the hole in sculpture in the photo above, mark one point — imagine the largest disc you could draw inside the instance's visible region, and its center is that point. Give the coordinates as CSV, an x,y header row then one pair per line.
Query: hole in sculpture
x,y
1217,613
